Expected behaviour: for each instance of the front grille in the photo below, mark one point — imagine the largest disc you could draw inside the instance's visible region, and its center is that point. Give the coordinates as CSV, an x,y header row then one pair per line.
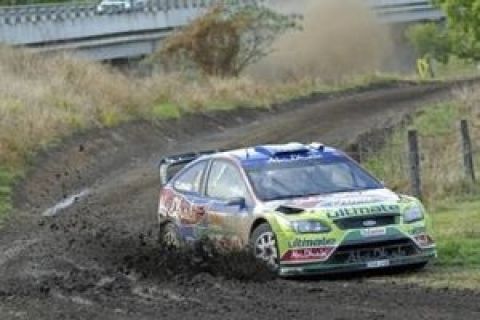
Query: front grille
x,y
362,222
373,251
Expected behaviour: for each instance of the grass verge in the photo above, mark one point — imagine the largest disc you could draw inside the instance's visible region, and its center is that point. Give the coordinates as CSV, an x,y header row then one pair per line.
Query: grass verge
x,y
458,235
450,196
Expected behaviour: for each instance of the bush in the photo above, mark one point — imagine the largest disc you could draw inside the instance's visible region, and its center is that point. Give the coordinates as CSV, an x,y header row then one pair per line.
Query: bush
x,y
225,40
430,40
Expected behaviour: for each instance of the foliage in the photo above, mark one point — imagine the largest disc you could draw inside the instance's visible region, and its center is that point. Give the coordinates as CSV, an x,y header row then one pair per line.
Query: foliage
x,y
463,17
226,40
430,40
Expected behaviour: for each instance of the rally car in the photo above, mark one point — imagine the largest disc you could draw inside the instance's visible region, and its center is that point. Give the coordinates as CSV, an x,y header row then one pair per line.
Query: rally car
x,y
301,208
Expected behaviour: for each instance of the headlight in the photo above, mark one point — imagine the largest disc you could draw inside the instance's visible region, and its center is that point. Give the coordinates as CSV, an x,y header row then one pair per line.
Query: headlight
x,y
309,226
412,215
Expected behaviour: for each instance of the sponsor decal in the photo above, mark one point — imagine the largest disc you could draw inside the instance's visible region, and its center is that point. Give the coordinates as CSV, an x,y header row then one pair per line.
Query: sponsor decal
x,y
363,211
307,254
310,243
351,201
175,205
373,232
342,200
417,230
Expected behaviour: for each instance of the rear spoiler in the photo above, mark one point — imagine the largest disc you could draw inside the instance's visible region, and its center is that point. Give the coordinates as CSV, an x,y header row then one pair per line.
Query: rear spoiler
x,y
169,166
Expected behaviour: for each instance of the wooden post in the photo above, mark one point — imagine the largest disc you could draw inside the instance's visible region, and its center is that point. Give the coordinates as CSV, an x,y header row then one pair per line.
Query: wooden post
x,y
414,159
467,150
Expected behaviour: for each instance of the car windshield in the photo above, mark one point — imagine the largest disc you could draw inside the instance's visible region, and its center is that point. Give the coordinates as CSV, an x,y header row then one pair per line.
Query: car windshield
x,y
300,178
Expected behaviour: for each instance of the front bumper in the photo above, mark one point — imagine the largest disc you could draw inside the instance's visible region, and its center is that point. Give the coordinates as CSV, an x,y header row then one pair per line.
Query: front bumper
x,y
328,268
355,250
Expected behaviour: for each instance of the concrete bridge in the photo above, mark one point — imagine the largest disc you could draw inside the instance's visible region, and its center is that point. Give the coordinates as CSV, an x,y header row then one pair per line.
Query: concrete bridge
x,y
119,33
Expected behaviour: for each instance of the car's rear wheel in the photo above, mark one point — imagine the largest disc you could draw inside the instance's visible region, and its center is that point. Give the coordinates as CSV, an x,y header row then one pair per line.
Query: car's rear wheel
x,y
264,245
169,236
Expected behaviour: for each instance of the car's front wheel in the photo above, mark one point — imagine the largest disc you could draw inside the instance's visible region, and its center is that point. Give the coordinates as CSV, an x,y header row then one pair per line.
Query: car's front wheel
x,y
264,245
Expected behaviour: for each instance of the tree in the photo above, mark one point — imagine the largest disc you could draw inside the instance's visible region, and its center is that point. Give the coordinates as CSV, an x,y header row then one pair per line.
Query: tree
x,y
430,40
463,19
225,40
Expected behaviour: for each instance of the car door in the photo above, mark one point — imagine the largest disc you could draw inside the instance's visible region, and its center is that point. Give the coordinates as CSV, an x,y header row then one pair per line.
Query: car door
x,y
184,202
229,200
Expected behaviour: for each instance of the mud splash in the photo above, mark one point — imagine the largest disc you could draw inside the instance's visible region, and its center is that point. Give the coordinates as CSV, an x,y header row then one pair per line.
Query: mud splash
x,y
203,257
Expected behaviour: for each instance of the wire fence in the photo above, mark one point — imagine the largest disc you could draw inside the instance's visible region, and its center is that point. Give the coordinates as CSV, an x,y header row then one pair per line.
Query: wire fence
x,y
424,165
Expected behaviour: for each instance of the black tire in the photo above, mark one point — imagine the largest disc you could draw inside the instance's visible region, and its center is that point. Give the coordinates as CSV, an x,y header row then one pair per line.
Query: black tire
x,y
270,254
169,236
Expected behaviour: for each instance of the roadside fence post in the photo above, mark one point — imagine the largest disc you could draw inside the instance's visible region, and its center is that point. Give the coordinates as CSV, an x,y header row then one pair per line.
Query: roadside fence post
x,y
467,150
414,160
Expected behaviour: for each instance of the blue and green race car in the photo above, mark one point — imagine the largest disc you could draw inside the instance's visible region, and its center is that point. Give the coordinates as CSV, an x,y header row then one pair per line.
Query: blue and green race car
x,y
302,208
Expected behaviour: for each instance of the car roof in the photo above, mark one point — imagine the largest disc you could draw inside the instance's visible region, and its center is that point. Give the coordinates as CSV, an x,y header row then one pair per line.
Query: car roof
x,y
275,152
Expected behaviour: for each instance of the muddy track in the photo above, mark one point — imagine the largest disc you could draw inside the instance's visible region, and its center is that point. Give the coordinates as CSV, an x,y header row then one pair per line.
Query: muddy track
x,y
98,258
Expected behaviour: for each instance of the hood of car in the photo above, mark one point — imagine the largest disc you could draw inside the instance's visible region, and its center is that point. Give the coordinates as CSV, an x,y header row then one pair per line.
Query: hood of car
x,y
340,205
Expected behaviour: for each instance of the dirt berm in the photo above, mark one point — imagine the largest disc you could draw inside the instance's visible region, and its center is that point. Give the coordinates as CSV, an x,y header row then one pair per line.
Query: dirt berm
x,y
97,259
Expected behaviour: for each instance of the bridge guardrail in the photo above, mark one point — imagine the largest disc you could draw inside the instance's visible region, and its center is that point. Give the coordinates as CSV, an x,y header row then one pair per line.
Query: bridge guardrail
x,y
44,12
29,13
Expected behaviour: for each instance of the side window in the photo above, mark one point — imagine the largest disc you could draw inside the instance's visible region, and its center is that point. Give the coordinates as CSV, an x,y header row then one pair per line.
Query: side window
x,y
191,179
225,182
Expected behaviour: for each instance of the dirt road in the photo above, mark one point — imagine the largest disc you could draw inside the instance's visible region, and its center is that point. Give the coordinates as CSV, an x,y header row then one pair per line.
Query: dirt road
x,y
97,259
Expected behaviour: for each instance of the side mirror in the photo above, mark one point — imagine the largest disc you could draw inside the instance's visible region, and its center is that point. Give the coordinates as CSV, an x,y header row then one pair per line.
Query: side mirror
x,y
236,202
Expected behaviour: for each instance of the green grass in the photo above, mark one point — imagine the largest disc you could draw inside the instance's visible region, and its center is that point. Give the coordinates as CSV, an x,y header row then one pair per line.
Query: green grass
x,y
166,111
457,232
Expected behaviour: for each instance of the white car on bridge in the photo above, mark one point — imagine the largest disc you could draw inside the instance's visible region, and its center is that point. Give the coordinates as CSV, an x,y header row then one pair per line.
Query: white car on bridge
x,y
112,5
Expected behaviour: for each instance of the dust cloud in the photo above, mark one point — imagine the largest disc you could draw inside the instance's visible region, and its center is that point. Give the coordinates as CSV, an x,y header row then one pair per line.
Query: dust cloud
x,y
338,39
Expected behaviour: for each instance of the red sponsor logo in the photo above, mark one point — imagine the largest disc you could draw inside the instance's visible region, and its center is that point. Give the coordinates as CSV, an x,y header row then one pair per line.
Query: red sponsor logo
x,y
308,254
